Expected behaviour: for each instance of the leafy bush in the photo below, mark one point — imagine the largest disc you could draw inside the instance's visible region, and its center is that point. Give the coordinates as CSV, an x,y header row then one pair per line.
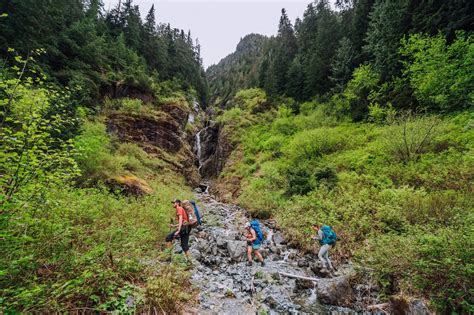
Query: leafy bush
x,y
364,81
95,158
411,136
441,75
169,291
314,143
435,263
127,105
379,114
253,100
33,151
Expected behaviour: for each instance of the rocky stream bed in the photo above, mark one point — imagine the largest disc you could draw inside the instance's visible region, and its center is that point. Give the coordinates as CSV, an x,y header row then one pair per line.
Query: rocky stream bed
x,y
228,286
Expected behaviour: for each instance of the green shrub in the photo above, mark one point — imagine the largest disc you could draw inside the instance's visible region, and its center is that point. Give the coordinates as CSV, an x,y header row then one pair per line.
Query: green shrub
x,y
379,114
169,291
127,105
441,75
94,153
356,95
437,263
311,144
411,136
253,100
85,247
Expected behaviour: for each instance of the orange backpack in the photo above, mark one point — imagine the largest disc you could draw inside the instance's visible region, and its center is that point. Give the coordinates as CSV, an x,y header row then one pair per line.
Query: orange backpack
x,y
188,207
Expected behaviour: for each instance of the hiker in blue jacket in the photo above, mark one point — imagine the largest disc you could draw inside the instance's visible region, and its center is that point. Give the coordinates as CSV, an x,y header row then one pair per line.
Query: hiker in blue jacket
x,y
327,238
254,241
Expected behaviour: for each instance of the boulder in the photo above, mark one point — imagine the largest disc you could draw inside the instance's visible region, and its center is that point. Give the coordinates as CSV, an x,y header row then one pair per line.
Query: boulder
x,y
335,291
418,307
303,284
236,249
130,184
279,239
402,305
303,263
221,243
318,269
196,254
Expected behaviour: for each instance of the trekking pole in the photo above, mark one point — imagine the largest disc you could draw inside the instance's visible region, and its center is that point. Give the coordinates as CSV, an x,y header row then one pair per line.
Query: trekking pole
x,y
172,241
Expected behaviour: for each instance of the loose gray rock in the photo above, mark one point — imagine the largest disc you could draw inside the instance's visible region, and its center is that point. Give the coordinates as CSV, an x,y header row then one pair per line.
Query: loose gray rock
x,y
279,239
236,249
335,291
303,284
303,263
271,302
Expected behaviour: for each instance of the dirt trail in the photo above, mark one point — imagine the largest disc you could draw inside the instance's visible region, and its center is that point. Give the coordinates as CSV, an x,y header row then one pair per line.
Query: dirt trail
x,y
228,286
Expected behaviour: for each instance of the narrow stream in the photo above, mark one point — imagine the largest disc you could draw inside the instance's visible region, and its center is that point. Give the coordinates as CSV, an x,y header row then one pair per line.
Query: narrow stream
x,y
228,286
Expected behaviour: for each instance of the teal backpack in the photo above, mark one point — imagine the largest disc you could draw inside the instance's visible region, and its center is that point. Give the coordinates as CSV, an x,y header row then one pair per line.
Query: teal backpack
x,y
329,237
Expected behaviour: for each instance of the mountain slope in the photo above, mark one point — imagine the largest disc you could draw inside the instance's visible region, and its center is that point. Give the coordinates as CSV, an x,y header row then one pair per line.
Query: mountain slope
x,y
236,71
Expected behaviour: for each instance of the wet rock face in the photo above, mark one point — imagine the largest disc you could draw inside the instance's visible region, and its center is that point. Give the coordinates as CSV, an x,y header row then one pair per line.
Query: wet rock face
x,y
156,130
215,149
180,114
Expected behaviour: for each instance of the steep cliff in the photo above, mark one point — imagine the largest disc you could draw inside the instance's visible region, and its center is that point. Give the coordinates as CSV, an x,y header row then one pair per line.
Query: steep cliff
x,y
160,133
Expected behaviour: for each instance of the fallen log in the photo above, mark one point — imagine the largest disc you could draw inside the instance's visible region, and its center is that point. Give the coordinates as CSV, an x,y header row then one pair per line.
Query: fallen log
x,y
378,306
298,277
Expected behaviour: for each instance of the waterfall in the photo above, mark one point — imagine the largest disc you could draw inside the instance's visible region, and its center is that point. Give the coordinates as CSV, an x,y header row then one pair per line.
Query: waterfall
x,y
194,112
198,149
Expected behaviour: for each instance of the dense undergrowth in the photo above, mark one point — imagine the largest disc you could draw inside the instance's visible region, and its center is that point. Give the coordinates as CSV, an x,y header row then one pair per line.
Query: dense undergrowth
x,y
404,211
397,187
72,238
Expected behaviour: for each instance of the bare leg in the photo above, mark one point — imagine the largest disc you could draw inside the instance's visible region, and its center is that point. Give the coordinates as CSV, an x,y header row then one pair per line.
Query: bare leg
x,y
249,253
259,255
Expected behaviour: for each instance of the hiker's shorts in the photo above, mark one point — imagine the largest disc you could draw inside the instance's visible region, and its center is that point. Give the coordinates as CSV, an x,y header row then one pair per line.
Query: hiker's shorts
x,y
256,246
183,236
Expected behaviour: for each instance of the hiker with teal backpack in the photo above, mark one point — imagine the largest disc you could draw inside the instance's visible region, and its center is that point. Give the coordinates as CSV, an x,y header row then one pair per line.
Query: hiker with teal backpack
x,y
327,238
255,239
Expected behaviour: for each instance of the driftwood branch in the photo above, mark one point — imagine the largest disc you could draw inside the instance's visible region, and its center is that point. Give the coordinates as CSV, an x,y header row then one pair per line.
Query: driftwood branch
x,y
377,306
297,277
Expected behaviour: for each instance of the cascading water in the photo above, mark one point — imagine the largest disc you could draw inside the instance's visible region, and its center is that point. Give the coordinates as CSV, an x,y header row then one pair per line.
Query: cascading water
x,y
194,112
198,149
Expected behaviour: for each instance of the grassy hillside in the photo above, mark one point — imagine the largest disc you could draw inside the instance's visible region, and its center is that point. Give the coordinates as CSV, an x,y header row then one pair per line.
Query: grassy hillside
x,y
83,215
398,192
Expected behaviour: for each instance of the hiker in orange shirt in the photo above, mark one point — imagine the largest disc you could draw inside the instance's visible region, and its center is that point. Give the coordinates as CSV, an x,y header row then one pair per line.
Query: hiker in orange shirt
x,y
183,228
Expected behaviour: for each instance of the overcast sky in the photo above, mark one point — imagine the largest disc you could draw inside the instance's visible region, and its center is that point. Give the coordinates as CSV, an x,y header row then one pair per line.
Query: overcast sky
x,y
220,24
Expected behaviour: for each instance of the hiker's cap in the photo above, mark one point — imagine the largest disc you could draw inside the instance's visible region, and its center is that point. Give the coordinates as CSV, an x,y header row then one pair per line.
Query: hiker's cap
x,y
247,225
176,200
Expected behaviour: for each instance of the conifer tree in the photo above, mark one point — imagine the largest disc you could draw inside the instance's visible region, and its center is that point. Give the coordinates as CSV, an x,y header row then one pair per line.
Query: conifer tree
x,y
389,21
285,52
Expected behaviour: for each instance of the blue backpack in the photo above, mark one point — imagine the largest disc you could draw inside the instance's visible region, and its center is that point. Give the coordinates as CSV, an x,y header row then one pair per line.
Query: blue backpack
x,y
329,236
256,226
196,212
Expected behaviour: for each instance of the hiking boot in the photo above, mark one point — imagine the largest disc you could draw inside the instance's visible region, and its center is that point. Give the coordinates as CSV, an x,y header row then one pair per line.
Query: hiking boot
x,y
249,263
263,264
